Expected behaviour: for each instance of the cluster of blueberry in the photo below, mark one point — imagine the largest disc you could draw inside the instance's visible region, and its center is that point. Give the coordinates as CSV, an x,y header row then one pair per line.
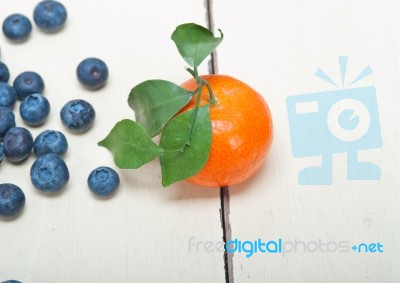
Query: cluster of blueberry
x,y
49,172
48,15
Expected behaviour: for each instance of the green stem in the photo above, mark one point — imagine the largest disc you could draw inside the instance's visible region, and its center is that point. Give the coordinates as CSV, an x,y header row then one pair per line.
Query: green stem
x,y
194,92
193,118
191,72
213,100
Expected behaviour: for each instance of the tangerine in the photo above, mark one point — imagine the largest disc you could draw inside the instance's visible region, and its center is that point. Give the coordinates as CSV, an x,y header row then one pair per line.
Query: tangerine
x,y
242,131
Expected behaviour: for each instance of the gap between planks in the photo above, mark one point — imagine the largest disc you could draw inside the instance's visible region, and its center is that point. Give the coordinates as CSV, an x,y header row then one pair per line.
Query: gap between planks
x,y
224,191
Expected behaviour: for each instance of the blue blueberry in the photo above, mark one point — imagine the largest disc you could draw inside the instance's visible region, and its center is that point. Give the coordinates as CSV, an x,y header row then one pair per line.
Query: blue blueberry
x,y
103,181
49,15
12,199
50,141
8,96
78,115
18,144
34,109
17,27
7,120
11,281
92,73
4,73
27,83
49,173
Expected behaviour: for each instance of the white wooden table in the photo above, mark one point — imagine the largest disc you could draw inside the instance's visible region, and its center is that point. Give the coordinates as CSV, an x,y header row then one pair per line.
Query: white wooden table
x,y
149,234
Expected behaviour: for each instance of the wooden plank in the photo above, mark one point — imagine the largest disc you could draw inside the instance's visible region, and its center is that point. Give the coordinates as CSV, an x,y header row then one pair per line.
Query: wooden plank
x,y
144,233
276,47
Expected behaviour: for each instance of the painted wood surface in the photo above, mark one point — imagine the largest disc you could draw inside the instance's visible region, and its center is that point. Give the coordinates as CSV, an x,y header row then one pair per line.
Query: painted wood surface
x,y
148,234
276,47
142,233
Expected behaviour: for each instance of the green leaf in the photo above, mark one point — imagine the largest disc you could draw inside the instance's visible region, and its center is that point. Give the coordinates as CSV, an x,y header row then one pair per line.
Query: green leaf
x,y
177,164
195,42
155,102
130,145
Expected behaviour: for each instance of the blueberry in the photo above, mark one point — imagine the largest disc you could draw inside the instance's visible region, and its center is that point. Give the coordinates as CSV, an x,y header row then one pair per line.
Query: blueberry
x,y
34,109
50,15
8,96
50,141
1,152
4,73
49,173
18,144
103,181
17,27
78,115
27,83
92,73
11,281
7,120
12,199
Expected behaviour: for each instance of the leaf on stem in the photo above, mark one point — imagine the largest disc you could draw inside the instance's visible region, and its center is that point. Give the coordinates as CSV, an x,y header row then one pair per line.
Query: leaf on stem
x,y
155,102
181,161
131,145
195,42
